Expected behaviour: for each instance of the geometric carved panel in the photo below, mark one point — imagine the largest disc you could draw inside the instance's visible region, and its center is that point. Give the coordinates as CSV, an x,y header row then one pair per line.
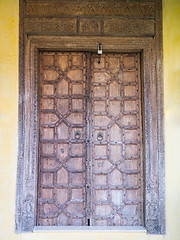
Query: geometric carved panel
x,y
61,194
116,144
116,133
116,99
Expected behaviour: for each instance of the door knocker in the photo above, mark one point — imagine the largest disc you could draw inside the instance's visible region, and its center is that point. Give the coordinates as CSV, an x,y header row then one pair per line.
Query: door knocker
x,y
100,136
77,134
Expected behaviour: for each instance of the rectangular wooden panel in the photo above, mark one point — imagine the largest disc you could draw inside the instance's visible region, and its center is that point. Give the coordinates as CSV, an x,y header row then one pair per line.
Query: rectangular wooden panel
x,y
51,25
90,25
91,8
62,149
133,26
116,141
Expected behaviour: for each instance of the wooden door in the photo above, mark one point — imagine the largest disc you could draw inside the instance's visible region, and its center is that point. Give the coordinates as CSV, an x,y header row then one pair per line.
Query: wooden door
x,y
61,194
90,146
116,140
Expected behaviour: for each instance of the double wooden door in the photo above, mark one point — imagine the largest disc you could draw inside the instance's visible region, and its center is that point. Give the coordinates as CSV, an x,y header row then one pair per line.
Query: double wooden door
x,y
90,144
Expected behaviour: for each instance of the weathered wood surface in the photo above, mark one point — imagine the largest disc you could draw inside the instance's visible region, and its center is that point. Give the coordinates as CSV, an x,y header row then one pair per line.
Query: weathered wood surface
x,y
130,27
62,148
95,26
116,141
51,25
86,43
113,134
149,45
90,18
124,9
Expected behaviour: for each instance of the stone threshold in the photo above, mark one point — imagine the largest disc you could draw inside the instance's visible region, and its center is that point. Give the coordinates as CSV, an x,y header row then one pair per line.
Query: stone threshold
x,y
134,229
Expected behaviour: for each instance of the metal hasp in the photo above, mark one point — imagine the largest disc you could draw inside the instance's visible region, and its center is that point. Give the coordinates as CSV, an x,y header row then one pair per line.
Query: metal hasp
x,y
99,52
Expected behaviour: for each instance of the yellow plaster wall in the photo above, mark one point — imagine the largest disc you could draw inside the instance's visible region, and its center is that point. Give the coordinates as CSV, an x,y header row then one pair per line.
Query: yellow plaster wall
x,y
9,123
8,114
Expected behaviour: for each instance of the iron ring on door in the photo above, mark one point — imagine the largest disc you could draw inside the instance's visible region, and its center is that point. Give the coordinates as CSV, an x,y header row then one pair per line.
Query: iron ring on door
x,y
100,136
77,134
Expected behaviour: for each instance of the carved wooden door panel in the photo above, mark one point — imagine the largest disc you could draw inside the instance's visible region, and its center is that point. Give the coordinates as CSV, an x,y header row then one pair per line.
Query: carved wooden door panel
x,y
116,140
61,194
90,146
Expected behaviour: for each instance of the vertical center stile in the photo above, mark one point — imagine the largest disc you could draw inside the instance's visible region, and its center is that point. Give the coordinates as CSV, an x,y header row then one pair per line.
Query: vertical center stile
x,y
88,141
